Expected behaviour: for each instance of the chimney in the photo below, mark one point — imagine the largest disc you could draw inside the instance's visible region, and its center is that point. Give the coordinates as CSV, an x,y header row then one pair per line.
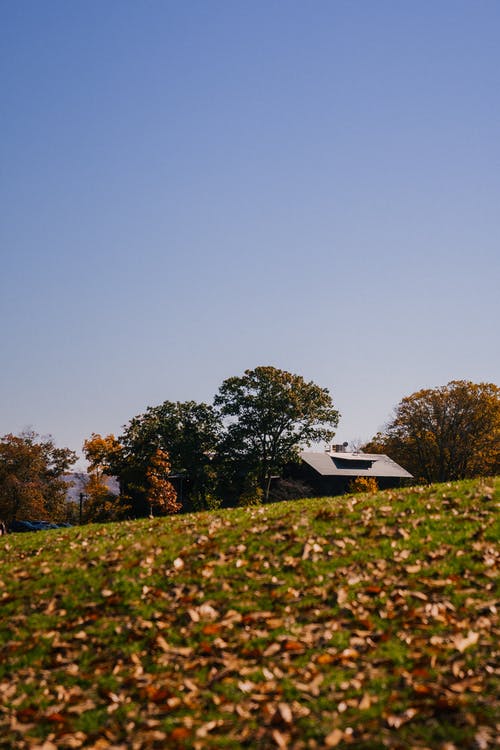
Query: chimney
x,y
339,448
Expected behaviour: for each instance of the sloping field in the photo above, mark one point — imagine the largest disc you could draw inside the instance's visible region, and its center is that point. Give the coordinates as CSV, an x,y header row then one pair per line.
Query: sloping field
x,y
356,622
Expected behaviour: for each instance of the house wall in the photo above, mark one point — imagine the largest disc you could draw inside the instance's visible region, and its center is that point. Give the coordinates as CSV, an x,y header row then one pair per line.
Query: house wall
x,y
326,486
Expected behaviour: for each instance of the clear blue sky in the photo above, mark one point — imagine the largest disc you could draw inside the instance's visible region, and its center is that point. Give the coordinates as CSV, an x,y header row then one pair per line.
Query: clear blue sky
x,y
189,189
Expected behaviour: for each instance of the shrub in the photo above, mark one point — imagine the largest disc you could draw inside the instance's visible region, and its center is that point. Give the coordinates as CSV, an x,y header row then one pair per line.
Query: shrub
x,y
363,484
289,489
251,494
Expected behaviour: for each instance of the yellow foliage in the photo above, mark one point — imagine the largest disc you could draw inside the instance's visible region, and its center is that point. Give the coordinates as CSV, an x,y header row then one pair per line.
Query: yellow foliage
x,y
252,494
100,451
100,504
363,484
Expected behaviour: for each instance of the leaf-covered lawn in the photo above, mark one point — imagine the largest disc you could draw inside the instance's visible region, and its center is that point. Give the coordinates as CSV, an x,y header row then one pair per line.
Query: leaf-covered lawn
x,y
362,622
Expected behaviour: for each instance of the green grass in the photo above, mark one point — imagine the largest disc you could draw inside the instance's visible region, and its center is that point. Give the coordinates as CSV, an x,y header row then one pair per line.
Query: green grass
x,y
364,622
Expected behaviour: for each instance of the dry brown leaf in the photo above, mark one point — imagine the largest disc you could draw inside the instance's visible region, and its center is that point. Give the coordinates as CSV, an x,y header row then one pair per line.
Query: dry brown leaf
x,y
348,653
280,739
342,596
246,686
179,734
273,623
365,702
208,727
334,738
207,612
293,646
462,643
326,658
211,628
285,712
162,643
483,738
416,568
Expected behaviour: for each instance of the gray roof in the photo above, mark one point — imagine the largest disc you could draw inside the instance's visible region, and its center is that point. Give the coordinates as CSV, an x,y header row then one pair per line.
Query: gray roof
x,y
354,464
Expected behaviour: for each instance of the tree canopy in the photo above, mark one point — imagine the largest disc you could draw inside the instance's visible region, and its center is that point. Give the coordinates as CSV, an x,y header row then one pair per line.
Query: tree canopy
x,y
187,431
256,425
268,414
31,484
102,453
445,433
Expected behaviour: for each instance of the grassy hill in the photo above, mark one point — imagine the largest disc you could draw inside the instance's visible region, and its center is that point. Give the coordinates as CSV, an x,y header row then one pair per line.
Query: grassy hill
x,y
361,622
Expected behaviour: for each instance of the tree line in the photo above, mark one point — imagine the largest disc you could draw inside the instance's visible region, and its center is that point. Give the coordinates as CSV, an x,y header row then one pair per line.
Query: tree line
x,y
195,456
224,452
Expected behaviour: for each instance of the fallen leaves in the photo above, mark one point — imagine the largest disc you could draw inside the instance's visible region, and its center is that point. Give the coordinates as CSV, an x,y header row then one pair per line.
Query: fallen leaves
x,y
287,626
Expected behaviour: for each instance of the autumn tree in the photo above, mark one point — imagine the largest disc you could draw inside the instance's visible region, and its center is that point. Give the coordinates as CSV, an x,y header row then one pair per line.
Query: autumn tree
x,y
445,433
104,456
107,456
268,414
102,453
31,483
101,504
161,494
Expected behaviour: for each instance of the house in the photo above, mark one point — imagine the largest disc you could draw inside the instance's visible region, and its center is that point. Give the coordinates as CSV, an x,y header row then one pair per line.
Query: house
x,y
330,472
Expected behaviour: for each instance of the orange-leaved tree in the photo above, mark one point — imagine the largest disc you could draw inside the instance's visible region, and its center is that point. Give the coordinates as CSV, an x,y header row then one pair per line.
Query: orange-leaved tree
x,y
101,504
31,483
160,492
102,453
446,433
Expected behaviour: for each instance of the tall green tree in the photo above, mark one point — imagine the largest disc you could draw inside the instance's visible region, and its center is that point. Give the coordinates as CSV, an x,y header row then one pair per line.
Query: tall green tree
x,y
269,414
31,483
188,431
445,433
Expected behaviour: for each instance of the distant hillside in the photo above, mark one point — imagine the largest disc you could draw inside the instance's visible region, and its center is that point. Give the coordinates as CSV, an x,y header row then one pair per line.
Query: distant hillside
x,y
77,481
355,622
